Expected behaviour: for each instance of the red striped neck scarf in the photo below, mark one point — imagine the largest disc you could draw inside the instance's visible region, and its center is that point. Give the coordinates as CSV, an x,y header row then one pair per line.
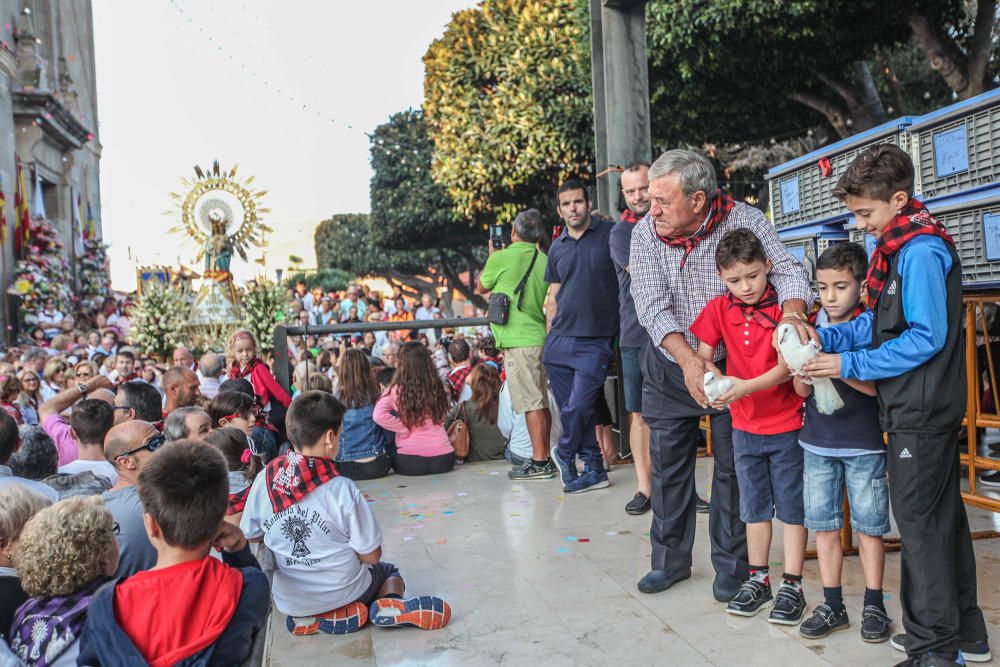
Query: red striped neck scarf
x,y
757,311
291,476
914,220
630,216
721,207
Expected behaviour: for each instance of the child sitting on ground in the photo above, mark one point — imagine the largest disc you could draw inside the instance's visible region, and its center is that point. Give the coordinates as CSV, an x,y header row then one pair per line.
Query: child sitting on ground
x,y
190,607
243,466
66,552
767,415
845,447
327,544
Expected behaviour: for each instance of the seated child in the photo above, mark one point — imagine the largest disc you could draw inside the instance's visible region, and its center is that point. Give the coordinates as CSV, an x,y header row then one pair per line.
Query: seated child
x,y
845,447
65,554
190,607
246,364
767,415
327,544
243,466
17,505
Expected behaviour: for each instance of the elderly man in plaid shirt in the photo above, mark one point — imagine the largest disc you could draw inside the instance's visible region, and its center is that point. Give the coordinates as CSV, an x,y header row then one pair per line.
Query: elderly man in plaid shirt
x,y
672,265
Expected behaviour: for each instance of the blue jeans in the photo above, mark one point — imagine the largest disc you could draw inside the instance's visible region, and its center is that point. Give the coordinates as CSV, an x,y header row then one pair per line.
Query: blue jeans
x,y
823,481
769,472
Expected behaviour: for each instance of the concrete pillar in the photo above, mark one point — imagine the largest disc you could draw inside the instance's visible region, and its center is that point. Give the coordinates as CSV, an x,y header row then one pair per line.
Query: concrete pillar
x,y
621,91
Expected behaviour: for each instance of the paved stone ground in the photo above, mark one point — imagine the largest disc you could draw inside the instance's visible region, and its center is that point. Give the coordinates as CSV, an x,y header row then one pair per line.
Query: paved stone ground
x,y
538,578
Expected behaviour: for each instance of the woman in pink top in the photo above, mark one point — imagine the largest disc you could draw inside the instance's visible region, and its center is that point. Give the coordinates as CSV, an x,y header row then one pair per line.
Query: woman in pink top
x,y
415,407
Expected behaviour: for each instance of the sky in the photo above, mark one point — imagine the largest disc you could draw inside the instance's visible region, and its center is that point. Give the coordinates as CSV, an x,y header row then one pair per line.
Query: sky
x,y
286,90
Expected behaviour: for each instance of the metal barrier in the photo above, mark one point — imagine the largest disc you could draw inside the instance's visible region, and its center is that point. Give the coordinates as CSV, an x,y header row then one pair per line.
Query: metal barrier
x,y
281,333
978,382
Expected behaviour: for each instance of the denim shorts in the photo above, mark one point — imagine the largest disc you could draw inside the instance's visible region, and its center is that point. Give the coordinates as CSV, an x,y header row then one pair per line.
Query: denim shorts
x,y
631,379
769,473
867,492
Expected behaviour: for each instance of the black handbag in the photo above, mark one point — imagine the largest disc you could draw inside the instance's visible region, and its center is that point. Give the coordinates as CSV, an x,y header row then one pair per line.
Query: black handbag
x,y
499,305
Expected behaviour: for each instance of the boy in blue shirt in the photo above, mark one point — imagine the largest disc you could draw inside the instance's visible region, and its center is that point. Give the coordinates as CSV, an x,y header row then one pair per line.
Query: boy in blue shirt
x,y
845,447
912,345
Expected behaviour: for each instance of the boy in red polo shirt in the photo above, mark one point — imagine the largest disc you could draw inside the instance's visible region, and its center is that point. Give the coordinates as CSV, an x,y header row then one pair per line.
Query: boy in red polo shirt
x,y
767,415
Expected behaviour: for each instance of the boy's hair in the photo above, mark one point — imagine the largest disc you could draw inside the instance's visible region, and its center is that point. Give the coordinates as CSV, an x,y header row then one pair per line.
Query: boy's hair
x,y
229,403
185,488
310,416
845,255
739,245
877,173
384,377
91,420
459,350
241,385
37,457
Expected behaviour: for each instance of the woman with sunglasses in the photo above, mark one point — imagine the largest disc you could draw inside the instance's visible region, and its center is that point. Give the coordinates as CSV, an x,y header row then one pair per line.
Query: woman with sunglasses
x,y
84,371
53,379
31,396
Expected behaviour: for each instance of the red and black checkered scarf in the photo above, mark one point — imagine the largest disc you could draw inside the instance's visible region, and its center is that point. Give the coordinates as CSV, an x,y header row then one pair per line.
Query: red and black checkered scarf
x,y
767,300
235,373
630,216
237,501
859,309
291,476
914,220
721,207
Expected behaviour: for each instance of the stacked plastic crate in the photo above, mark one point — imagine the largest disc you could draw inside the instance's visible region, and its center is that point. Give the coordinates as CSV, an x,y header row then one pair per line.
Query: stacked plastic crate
x,y
956,158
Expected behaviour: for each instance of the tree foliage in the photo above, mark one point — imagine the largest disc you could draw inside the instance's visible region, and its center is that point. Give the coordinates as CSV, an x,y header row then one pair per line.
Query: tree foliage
x,y
507,96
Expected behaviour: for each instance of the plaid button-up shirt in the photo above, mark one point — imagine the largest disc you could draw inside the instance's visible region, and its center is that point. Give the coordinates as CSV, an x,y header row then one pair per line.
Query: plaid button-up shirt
x,y
669,298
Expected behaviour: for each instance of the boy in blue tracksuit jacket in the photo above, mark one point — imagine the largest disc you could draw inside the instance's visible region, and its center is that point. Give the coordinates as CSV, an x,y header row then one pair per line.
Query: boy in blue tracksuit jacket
x,y
911,344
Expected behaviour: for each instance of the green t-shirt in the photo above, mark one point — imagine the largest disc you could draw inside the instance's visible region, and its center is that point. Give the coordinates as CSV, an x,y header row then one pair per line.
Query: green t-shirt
x,y
503,271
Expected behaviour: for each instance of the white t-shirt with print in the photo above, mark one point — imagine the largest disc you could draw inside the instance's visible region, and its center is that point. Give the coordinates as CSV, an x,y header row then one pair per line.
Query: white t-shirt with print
x,y
316,543
102,468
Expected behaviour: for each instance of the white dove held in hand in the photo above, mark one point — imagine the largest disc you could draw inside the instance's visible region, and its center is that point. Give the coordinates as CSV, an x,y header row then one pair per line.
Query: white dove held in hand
x,y
796,355
716,386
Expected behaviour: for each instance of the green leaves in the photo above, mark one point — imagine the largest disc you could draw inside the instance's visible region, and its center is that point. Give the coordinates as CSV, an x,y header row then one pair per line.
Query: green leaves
x,y
160,319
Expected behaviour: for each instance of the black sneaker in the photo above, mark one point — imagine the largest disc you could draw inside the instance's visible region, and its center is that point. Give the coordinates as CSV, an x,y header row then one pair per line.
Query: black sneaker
x,y
930,660
824,621
789,603
753,595
991,479
702,505
875,625
639,504
972,651
531,470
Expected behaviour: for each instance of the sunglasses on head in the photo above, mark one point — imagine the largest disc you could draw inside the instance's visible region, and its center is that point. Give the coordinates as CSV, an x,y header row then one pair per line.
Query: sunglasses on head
x,y
152,445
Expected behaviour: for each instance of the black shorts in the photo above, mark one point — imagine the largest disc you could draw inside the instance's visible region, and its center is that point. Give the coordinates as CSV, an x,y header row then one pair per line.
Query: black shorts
x,y
381,572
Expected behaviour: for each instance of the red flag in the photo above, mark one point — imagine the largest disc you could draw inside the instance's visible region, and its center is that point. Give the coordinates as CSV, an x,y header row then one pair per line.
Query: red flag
x,y
3,219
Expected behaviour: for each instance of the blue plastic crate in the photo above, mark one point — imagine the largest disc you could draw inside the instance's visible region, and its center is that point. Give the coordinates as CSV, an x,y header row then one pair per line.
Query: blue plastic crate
x,y
800,193
957,147
807,242
973,220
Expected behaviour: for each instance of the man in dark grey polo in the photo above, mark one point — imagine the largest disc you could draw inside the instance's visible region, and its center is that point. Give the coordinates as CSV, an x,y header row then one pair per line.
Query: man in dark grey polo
x,y
582,313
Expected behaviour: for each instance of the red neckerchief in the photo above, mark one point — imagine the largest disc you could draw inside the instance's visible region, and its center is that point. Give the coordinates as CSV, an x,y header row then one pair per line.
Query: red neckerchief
x,y
630,216
767,300
291,476
859,309
721,207
235,373
914,220
237,501
123,380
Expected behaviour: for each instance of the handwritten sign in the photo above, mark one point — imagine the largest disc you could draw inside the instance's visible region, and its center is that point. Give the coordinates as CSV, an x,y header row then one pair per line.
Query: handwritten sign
x,y
951,152
790,195
991,236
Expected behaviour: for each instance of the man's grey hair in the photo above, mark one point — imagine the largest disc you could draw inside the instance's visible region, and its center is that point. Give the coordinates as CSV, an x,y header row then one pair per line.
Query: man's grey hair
x,y
175,425
37,457
696,173
529,225
211,364
32,354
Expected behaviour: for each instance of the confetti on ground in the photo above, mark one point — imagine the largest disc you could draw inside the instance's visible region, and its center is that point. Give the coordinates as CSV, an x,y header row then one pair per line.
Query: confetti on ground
x,y
514,514
416,516
448,512
442,541
411,505
570,538
461,494
562,550
887,596
494,473
611,532
371,500
401,486
777,563
583,539
407,538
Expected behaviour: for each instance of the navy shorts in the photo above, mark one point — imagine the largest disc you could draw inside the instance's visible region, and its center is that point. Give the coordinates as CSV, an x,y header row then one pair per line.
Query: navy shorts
x,y
381,572
769,473
631,379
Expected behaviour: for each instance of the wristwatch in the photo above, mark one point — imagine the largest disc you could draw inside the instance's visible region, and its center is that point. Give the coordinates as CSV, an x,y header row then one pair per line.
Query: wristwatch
x,y
83,389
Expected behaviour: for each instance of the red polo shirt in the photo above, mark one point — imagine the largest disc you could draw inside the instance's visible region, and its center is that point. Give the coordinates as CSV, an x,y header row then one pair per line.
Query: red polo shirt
x,y
750,354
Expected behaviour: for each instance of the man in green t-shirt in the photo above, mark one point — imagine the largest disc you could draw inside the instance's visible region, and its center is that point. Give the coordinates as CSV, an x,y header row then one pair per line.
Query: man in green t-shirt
x,y
523,337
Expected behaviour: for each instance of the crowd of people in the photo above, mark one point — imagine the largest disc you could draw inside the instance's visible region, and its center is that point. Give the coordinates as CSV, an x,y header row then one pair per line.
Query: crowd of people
x,y
130,494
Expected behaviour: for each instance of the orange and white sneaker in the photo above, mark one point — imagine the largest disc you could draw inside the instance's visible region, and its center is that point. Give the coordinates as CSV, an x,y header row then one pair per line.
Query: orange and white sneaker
x,y
346,619
426,612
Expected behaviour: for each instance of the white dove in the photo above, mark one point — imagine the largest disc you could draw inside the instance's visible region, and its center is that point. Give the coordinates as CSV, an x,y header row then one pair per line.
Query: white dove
x,y
716,386
796,355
